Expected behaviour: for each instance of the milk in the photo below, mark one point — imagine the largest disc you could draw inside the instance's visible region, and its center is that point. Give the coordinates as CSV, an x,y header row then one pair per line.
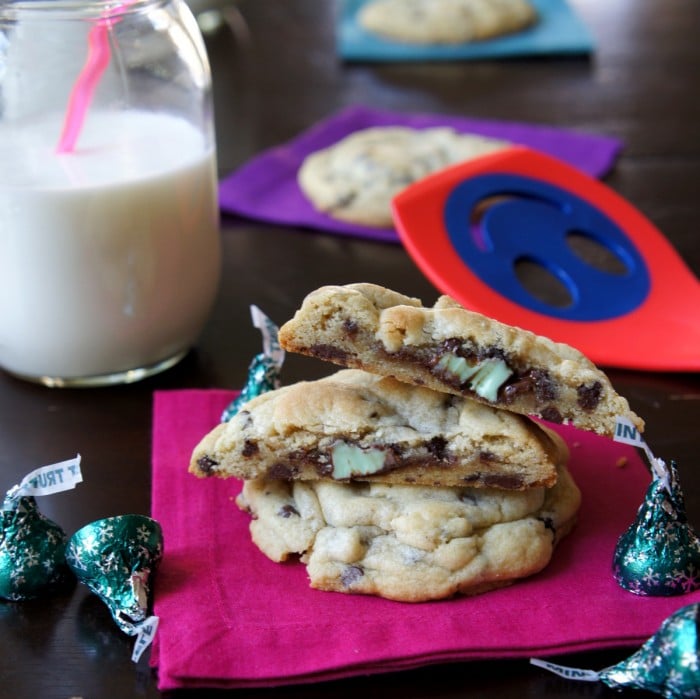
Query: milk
x,y
109,256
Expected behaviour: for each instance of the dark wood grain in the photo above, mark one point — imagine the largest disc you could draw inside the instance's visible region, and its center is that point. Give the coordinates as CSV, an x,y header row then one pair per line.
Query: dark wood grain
x,y
276,73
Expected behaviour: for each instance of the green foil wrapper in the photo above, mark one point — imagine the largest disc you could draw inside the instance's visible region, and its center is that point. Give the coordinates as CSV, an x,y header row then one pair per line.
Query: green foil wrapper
x,y
667,664
659,554
264,370
32,552
117,558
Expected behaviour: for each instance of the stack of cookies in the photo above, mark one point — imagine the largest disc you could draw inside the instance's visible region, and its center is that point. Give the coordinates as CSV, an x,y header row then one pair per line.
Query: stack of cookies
x,y
416,471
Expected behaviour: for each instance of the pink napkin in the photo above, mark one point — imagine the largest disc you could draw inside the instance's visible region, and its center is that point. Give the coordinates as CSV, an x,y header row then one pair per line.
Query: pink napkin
x,y
265,188
229,617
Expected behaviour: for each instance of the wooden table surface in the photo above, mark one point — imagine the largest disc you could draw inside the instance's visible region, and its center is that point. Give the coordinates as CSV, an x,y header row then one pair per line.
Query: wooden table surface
x,y
276,72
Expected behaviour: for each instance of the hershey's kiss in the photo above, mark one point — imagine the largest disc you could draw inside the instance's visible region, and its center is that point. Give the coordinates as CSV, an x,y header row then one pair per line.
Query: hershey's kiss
x,y
660,552
668,663
32,551
117,558
264,369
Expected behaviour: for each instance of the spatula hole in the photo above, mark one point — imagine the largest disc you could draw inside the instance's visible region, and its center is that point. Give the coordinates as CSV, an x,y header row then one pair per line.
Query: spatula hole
x,y
476,217
595,253
542,283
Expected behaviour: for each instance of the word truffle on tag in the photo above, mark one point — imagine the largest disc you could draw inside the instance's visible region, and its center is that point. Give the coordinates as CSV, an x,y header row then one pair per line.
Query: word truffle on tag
x,y
264,370
659,554
117,558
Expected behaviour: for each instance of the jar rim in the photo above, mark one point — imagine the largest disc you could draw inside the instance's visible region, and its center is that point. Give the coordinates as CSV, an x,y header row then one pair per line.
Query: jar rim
x,y
76,8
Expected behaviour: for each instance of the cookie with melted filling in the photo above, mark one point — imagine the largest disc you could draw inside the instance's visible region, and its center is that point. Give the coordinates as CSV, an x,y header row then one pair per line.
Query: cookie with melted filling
x,y
454,350
356,426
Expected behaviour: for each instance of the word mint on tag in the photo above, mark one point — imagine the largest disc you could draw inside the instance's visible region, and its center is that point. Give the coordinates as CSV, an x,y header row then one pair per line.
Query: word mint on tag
x,y
570,673
46,480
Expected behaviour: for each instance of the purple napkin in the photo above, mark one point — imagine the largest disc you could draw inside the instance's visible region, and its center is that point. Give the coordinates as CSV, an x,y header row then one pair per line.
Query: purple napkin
x,y
265,188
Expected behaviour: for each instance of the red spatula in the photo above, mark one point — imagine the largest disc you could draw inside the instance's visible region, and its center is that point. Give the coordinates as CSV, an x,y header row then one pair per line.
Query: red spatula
x,y
472,226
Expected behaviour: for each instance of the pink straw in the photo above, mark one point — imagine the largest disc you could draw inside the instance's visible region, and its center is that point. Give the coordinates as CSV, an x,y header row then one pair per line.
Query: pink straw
x,y
98,57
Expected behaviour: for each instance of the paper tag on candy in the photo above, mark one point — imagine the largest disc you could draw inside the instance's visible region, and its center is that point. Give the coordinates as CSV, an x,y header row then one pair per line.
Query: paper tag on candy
x,y
32,547
50,479
627,433
264,370
144,637
667,664
659,554
569,673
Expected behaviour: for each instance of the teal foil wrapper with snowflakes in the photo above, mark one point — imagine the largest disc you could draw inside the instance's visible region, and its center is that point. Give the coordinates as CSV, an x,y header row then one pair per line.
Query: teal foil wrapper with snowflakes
x,y
32,552
660,552
117,558
668,663
264,369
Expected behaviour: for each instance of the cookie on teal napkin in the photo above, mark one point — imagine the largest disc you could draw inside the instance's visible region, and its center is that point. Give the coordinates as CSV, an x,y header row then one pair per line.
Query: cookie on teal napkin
x,y
558,31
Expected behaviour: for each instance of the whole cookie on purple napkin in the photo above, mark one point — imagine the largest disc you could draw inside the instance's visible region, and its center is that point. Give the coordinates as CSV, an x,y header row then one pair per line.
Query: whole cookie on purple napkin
x,y
358,426
451,349
356,178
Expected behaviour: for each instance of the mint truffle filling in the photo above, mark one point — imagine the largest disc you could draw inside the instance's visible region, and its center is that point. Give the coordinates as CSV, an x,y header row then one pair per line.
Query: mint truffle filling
x,y
350,460
485,377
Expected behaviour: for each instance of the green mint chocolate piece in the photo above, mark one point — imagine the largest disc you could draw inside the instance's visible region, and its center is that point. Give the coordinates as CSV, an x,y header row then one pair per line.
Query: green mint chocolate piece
x,y
484,377
457,366
491,376
350,460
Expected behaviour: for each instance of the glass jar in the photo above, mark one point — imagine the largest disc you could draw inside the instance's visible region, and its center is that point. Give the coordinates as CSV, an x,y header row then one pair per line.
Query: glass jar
x,y
109,224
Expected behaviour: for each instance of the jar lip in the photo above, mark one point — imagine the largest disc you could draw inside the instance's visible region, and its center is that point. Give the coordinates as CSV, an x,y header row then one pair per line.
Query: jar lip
x,y
77,8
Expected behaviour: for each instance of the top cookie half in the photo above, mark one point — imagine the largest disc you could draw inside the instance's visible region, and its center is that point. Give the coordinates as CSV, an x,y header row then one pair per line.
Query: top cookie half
x,y
451,349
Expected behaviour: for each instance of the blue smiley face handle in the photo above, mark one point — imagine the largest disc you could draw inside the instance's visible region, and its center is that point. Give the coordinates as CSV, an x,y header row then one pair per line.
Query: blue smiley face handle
x,y
530,220
469,226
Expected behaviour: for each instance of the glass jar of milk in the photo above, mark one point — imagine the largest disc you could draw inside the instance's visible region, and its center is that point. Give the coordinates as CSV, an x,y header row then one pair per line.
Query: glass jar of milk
x,y
109,225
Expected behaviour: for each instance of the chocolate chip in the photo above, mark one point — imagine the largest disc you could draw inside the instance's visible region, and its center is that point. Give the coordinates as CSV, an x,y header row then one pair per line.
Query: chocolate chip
x,y
437,446
493,480
350,575
589,396
281,472
548,524
452,344
350,327
535,381
247,419
287,511
343,201
468,496
551,414
545,387
487,456
250,447
207,464
506,481
329,353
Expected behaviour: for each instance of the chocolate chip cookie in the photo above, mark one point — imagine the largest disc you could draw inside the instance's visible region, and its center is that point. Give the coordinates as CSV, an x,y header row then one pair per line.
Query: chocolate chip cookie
x,y
453,350
410,543
356,178
445,21
355,425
